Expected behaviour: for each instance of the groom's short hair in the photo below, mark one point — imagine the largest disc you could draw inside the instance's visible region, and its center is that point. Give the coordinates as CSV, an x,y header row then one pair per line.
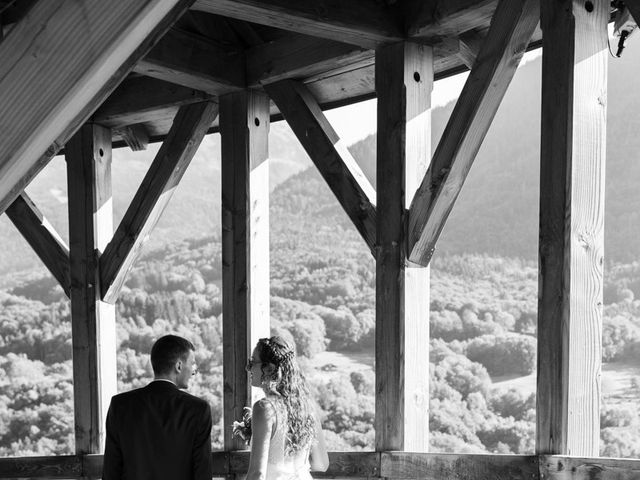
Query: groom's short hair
x,y
167,351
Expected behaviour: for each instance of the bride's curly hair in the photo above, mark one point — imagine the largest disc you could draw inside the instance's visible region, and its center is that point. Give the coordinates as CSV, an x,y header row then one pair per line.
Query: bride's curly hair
x,y
292,387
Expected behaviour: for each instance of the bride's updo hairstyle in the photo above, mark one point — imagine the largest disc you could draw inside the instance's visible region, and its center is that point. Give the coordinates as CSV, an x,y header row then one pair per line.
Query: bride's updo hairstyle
x,y
292,387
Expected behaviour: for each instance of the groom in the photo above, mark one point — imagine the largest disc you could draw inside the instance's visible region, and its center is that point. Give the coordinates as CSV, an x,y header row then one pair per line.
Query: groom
x,y
159,432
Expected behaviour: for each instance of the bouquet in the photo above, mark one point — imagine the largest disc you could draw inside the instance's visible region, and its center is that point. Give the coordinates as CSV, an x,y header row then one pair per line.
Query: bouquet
x,y
242,429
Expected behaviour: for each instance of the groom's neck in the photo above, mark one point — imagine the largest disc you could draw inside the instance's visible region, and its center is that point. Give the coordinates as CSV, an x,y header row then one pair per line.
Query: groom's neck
x,y
164,379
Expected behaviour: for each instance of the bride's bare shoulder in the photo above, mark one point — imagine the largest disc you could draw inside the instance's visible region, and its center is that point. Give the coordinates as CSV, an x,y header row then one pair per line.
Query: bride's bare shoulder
x,y
264,409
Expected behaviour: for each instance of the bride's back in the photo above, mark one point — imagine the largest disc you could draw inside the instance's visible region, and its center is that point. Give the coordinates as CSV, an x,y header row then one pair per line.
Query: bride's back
x,y
280,465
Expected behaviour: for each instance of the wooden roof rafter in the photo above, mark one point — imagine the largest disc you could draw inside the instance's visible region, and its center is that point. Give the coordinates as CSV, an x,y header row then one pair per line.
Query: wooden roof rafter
x,y
194,62
91,63
45,241
158,185
499,57
342,173
359,22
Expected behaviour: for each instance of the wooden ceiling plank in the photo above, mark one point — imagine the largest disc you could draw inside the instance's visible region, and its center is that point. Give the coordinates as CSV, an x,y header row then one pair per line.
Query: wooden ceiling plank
x,y
436,18
188,130
339,169
359,22
83,54
506,42
43,238
141,98
193,61
300,57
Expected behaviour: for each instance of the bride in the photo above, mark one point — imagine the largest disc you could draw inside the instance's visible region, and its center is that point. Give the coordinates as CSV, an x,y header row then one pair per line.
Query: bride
x,y
286,435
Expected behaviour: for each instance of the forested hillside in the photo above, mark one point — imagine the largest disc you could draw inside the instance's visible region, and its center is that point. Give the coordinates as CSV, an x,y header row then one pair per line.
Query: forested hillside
x,y
483,327
482,353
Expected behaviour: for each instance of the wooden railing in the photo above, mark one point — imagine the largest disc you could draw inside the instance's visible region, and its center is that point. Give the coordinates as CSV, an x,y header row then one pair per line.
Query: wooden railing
x,y
398,465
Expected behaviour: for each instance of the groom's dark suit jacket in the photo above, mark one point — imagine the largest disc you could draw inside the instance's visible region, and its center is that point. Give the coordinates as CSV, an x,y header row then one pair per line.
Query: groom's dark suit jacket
x,y
158,432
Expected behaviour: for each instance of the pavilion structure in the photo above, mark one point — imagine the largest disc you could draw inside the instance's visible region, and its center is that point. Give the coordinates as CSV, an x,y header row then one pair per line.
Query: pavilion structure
x,y
85,76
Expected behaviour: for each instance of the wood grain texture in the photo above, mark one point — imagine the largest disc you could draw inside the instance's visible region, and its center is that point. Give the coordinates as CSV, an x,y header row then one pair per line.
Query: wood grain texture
x,y
300,57
88,156
42,237
63,466
135,136
337,166
469,47
142,99
193,61
573,468
404,80
59,63
574,89
153,195
499,57
398,465
461,467
436,18
358,22
244,128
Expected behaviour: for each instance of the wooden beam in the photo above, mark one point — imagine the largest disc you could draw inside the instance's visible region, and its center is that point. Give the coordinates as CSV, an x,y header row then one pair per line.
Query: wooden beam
x,y
342,464
141,99
300,57
359,22
153,195
369,464
93,323
447,466
469,47
194,62
59,466
42,237
404,80
572,468
434,18
244,130
397,465
506,42
331,156
135,136
83,54
572,156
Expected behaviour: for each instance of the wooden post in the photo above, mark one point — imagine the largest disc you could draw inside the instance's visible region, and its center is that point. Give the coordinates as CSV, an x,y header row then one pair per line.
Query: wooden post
x,y
404,80
574,92
93,328
244,129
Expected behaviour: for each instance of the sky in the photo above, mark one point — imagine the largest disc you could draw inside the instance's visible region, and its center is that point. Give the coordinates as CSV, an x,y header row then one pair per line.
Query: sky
x,y
444,91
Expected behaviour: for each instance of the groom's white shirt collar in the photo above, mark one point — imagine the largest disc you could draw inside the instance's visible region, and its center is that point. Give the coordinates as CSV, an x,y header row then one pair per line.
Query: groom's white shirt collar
x,y
163,380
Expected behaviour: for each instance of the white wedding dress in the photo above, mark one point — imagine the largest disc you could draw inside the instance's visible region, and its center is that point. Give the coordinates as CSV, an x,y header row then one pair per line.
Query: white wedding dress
x,y
281,466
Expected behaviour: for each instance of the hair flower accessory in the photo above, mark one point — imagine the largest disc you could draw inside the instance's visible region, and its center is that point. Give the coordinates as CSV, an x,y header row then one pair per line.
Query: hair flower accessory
x,y
242,429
